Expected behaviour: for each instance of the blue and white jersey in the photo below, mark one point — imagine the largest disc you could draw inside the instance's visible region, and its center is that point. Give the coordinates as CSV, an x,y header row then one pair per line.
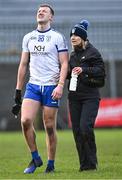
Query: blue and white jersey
x,y
44,47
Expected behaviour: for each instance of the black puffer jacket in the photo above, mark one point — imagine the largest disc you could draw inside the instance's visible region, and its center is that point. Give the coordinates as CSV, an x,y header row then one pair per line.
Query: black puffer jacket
x,y
93,67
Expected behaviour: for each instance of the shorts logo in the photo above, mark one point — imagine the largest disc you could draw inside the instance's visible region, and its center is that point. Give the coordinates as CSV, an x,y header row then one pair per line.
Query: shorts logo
x,y
54,102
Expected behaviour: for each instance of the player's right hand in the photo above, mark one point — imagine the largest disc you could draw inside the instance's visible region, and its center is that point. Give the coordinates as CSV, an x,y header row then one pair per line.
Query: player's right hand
x,y
18,101
16,109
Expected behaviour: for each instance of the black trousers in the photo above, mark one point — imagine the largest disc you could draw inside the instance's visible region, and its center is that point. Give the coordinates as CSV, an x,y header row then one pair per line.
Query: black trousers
x,y
83,114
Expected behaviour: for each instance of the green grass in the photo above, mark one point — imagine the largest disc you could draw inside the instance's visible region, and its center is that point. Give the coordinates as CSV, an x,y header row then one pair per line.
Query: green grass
x,y
14,156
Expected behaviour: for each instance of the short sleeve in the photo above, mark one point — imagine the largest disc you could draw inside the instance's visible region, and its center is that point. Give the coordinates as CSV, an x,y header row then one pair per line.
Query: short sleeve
x,y
61,43
25,43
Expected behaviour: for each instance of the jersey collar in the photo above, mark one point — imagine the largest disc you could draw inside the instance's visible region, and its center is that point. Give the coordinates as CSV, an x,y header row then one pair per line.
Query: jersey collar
x,y
44,31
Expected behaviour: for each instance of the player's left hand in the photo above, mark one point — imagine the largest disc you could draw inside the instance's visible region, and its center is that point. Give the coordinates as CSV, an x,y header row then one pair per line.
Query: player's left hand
x,y
57,92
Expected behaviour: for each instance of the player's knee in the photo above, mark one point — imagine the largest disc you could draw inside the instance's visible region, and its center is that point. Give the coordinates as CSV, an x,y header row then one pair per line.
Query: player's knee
x,y
25,123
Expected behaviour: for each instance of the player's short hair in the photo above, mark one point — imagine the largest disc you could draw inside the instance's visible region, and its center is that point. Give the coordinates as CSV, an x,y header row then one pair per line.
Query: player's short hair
x,y
47,5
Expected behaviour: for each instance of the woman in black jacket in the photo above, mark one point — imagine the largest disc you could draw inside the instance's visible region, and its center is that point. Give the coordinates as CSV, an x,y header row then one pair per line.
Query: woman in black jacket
x,y
86,64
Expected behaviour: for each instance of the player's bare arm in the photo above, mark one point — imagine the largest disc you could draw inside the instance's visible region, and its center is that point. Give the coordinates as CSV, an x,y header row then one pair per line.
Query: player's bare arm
x,y
58,91
22,70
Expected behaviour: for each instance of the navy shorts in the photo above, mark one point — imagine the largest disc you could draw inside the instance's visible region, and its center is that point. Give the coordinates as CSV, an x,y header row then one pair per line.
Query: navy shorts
x,y
41,94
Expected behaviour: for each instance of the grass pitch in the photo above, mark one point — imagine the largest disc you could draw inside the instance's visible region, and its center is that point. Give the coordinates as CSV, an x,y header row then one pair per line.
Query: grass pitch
x,y
14,156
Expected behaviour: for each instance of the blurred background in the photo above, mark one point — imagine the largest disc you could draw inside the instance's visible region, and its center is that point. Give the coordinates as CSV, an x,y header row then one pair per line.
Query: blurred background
x,y
18,17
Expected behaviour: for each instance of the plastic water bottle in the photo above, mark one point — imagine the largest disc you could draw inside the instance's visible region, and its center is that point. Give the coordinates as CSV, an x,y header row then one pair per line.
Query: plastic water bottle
x,y
73,82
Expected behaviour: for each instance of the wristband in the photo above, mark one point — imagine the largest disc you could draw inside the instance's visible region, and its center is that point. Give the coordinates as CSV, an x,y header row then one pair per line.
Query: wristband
x,y
61,84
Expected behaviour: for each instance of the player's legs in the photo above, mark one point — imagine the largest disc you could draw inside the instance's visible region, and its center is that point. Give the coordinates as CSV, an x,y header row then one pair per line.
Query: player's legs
x,y
28,115
30,107
49,118
50,108
29,111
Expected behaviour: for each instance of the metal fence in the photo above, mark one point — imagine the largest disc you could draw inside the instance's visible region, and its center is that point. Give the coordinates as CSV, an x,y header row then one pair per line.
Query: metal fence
x,y
107,37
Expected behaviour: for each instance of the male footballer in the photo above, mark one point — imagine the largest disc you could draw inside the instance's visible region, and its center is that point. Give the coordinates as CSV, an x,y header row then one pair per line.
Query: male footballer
x,y
45,51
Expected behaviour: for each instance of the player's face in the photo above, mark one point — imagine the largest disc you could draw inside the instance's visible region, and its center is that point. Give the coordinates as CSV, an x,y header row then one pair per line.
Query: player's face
x,y
75,40
44,15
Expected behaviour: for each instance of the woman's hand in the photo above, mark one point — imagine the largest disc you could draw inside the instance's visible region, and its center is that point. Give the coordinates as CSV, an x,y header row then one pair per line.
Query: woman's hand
x,y
77,70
